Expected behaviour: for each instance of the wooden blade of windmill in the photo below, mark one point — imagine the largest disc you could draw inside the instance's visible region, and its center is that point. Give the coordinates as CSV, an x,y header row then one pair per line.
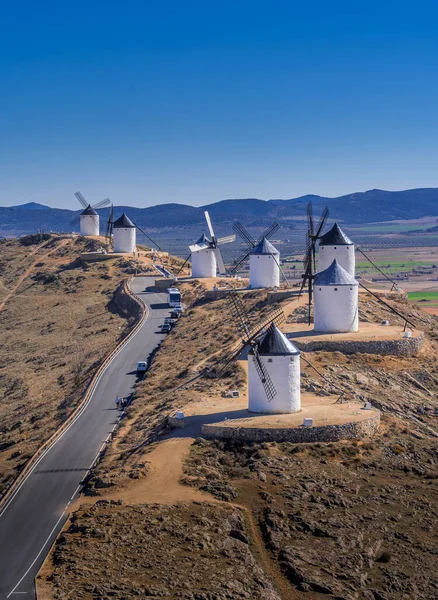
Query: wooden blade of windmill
x,y
275,316
81,199
306,275
322,221
314,255
310,221
263,374
210,226
109,223
310,298
220,367
282,273
75,220
239,314
219,260
102,204
244,234
273,228
239,262
228,239
184,264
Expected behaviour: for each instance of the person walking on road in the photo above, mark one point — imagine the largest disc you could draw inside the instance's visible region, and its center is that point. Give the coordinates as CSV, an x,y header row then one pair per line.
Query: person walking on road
x,y
118,402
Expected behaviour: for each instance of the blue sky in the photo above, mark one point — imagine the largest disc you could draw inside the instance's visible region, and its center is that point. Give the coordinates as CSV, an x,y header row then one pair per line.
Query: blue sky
x,y
193,102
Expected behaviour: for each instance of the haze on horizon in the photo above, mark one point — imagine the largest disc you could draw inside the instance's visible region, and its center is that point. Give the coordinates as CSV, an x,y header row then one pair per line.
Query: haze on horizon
x,y
194,102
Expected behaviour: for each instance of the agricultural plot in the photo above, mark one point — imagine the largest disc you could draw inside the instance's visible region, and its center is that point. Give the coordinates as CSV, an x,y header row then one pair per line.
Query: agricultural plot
x,y
428,300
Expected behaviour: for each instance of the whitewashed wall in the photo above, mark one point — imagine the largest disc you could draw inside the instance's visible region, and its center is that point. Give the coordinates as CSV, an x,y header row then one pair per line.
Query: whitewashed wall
x,y
124,239
344,255
203,263
264,271
335,308
89,225
285,374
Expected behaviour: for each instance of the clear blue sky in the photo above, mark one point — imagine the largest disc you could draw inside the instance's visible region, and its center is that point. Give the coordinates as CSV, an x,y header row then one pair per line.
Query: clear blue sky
x,y
193,102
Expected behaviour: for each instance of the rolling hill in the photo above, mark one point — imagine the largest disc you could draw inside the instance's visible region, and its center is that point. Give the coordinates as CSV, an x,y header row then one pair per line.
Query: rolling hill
x,y
356,208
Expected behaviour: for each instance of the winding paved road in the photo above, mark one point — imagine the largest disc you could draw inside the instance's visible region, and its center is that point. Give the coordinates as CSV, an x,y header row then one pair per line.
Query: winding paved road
x,y
36,514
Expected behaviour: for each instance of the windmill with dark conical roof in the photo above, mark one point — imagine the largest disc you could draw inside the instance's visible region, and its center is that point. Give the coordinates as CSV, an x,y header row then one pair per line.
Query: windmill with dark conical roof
x,y
88,219
264,258
336,300
124,235
273,361
336,245
281,359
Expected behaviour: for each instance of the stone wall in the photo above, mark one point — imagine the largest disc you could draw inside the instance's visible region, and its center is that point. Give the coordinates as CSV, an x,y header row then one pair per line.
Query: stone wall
x,y
274,297
399,297
163,284
296,435
405,347
126,304
100,256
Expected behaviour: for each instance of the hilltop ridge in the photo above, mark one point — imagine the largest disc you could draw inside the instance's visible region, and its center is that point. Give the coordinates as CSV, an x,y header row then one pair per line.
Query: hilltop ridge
x,y
359,207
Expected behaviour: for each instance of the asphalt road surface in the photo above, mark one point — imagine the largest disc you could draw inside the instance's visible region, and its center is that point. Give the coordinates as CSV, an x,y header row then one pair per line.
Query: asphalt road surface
x,y
36,514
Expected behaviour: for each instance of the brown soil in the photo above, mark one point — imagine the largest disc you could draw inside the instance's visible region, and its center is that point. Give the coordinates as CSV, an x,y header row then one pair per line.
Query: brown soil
x,y
351,521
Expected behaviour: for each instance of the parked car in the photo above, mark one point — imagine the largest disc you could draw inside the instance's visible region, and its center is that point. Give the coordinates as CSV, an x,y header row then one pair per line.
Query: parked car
x,y
175,314
169,321
166,328
142,366
178,309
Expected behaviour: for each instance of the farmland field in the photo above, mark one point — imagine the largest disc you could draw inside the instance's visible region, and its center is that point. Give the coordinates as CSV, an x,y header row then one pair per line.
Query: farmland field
x,y
428,300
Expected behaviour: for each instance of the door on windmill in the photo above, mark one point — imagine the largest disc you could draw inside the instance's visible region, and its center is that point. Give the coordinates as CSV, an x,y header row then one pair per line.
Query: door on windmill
x,y
173,297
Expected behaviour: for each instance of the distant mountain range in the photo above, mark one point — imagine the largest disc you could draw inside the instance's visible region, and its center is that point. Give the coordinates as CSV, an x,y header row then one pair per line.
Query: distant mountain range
x,y
357,208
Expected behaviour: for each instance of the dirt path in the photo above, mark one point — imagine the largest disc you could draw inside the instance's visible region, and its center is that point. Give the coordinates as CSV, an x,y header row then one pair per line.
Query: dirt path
x,y
268,565
162,485
30,270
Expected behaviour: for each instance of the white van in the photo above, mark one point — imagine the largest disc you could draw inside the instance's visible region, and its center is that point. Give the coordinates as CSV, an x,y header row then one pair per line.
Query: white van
x,y
142,366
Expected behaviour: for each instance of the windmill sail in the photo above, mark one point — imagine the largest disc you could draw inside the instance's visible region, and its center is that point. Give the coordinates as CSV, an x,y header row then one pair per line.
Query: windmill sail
x,y
219,260
81,199
210,226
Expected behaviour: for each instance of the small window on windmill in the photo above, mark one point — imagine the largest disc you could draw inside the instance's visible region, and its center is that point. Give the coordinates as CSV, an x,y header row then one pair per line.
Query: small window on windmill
x,y
335,247
269,359
336,289
319,289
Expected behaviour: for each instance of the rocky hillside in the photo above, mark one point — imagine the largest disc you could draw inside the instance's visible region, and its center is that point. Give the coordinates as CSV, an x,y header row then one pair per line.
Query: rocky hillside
x,y
348,520
59,319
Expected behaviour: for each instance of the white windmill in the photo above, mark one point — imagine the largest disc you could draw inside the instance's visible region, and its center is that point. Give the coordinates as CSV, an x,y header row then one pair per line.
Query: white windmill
x,y
124,235
273,361
205,255
335,300
336,245
89,219
281,359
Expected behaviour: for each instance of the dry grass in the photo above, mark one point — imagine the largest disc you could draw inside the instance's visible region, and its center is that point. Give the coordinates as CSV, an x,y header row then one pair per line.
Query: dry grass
x,y
351,520
56,329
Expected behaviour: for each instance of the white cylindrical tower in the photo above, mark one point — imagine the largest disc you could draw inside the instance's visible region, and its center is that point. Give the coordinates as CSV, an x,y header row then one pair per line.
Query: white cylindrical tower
x,y
89,222
335,300
264,266
124,238
281,359
204,263
203,258
336,245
